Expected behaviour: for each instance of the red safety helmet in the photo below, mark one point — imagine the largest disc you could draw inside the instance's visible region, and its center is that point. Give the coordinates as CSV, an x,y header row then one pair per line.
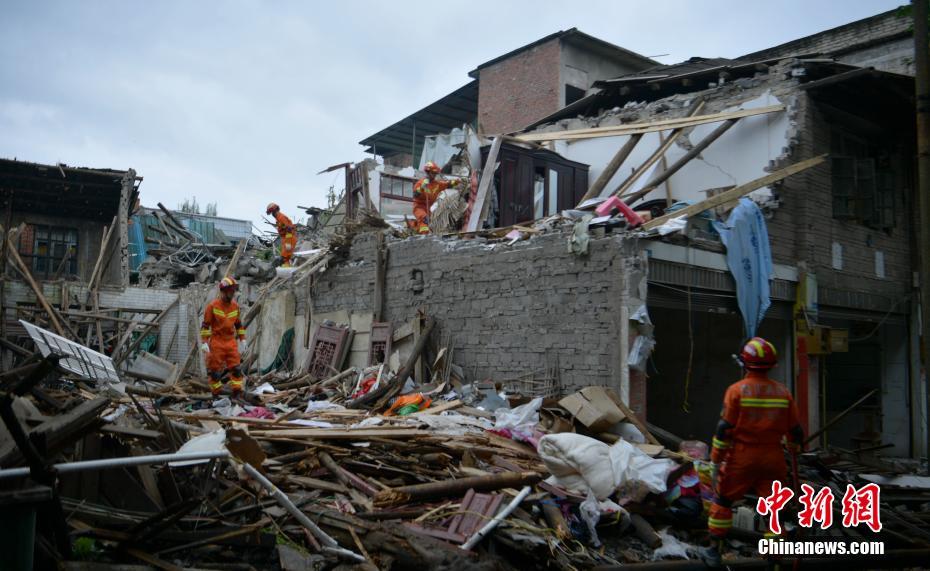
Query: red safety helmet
x,y
431,167
272,208
758,354
227,283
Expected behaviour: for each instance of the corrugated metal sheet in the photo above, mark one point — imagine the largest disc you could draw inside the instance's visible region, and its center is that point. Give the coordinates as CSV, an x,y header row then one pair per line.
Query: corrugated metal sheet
x,y
661,271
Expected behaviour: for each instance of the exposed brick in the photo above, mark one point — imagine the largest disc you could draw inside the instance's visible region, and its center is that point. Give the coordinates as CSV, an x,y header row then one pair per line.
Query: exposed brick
x,y
519,90
507,308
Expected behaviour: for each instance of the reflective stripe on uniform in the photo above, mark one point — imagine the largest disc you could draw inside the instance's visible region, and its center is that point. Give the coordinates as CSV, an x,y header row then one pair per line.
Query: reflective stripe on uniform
x,y
240,332
720,523
219,312
204,332
763,402
233,313
720,443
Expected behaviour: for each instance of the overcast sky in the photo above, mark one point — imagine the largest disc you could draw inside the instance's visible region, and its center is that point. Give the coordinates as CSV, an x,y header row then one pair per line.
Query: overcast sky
x,y
241,103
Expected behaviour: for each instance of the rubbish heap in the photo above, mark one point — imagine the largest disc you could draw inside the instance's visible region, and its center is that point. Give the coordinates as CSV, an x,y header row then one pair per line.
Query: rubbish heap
x,y
323,465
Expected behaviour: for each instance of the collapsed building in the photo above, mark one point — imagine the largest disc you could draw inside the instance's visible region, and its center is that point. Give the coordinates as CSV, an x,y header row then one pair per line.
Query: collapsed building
x,y
583,282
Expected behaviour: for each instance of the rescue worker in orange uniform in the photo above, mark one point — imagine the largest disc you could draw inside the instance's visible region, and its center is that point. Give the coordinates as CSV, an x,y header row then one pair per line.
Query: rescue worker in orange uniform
x,y
425,193
747,450
286,231
219,333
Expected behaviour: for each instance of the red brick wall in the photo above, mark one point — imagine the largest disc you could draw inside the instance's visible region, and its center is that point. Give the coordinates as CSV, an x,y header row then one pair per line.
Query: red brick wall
x,y
517,91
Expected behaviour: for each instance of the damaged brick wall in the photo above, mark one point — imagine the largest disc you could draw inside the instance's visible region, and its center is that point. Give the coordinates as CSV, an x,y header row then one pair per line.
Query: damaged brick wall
x,y
804,220
519,90
883,41
508,307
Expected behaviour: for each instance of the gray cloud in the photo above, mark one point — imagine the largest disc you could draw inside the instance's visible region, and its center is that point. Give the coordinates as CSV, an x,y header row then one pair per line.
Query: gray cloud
x,y
243,102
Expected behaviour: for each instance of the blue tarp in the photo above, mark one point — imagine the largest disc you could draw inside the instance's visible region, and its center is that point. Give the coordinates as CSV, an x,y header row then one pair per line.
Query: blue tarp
x,y
750,260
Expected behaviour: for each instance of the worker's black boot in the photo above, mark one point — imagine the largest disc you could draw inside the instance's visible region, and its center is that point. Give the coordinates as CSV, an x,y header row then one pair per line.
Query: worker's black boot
x,y
713,554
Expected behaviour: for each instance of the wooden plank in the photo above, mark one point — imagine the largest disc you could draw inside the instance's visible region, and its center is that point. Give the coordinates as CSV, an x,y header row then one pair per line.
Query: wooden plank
x,y
655,156
480,207
148,328
612,167
663,176
647,127
438,408
313,483
235,259
335,434
631,417
736,192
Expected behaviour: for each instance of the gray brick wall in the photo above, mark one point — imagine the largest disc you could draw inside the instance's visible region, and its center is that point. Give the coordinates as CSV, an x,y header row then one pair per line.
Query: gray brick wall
x,y
506,307
882,41
805,221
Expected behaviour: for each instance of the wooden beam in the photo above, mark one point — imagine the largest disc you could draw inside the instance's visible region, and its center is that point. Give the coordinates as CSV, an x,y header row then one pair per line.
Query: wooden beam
x,y
663,176
654,157
148,328
612,167
479,209
736,192
647,127
658,154
235,259
847,75
37,290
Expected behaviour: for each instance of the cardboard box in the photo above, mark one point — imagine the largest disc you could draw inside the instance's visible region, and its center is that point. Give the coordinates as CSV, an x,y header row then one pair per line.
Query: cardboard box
x,y
593,407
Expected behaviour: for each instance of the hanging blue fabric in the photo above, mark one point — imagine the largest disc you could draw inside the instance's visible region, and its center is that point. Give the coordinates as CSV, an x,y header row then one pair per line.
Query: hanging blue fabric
x,y
750,260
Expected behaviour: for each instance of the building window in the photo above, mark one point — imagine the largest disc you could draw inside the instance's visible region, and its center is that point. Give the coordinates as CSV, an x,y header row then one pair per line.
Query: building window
x,y
50,251
397,187
863,182
573,94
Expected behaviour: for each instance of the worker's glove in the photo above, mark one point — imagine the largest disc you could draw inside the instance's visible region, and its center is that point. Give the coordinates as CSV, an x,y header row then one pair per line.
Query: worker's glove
x,y
242,346
204,348
714,472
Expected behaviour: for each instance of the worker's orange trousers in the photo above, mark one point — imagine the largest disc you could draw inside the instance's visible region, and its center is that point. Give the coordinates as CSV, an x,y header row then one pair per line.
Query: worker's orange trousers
x,y
223,355
747,467
288,243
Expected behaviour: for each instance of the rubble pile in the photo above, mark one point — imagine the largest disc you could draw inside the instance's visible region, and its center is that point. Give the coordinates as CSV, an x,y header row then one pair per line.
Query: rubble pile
x,y
311,470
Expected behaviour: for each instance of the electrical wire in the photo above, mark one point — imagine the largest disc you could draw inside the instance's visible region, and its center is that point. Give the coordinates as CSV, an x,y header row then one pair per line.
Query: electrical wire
x,y
688,291
882,320
686,404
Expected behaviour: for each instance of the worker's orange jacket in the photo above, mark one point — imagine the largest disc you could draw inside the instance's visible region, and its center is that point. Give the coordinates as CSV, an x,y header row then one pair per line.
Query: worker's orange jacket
x,y
221,327
283,224
221,322
761,411
425,194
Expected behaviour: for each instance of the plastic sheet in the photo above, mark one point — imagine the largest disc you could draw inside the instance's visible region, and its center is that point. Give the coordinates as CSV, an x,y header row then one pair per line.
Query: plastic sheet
x,y
582,464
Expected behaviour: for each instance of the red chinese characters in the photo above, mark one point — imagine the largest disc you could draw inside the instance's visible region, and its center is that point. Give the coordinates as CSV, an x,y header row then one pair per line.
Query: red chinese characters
x,y
858,506
817,508
773,504
861,506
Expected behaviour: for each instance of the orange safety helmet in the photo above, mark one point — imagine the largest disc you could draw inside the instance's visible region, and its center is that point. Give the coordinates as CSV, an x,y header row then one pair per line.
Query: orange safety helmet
x,y
758,354
431,167
227,283
272,208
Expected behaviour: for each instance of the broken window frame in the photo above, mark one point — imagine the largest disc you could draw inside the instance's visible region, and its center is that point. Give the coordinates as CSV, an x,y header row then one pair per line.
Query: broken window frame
x,y
44,266
387,191
863,185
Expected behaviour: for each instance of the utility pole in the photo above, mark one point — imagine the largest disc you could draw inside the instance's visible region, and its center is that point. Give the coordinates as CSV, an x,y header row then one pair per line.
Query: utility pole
x,y
919,9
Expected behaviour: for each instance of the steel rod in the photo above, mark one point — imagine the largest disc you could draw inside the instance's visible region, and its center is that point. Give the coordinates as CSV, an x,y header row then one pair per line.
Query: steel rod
x,y
107,463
